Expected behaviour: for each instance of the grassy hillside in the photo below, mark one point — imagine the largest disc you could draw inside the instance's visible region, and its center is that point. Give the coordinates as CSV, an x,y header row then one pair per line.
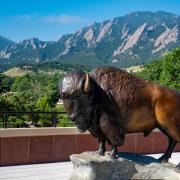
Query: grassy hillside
x,y
134,69
17,71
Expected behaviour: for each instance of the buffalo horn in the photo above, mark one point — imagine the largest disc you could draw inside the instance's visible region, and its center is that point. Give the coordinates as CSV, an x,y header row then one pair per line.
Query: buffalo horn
x,y
86,83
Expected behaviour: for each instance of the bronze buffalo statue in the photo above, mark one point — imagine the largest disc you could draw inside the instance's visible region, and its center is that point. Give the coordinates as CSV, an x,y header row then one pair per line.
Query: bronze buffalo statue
x,y
110,102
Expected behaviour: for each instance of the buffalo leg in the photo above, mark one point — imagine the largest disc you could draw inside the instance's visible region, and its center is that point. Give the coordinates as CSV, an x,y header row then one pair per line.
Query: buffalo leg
x,y
102,147
114,152
165,157
178,166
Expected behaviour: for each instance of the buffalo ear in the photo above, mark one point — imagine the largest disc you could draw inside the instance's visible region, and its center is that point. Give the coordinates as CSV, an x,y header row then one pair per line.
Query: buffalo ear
x,y
86,83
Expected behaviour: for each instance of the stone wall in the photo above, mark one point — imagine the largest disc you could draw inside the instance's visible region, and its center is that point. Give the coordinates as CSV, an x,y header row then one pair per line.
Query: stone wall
x,y
40,145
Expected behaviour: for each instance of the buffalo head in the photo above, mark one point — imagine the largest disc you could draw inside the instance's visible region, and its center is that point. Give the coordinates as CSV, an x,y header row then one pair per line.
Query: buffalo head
x,y
76,93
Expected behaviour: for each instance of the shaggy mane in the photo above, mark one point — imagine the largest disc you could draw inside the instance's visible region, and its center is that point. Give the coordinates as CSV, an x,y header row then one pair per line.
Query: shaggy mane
x,y
120,84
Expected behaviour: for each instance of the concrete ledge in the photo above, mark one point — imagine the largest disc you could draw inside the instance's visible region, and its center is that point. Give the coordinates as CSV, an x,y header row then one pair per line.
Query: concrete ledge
x,y
50,131
28,132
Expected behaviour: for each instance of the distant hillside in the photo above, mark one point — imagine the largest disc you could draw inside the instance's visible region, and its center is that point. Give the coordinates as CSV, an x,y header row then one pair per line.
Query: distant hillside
x,y
134,69
133,39
16,71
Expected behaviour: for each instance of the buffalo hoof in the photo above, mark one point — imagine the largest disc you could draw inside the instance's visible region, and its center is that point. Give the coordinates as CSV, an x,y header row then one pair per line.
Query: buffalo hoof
x,y
100,152
163,159
178,166
113,156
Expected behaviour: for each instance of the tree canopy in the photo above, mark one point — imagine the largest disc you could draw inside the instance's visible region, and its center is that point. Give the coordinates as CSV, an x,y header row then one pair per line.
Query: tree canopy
x,y
37,92
165,71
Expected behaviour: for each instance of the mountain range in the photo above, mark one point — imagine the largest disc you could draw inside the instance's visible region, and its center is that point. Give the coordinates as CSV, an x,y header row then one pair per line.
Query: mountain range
x,y
4,42
133,39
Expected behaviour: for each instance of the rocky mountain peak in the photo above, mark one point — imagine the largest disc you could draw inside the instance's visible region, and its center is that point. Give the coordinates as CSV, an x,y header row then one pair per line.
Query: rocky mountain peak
x,y
133,39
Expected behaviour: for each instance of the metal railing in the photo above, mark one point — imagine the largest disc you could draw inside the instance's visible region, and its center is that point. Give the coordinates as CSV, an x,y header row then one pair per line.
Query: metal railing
x,y
53,120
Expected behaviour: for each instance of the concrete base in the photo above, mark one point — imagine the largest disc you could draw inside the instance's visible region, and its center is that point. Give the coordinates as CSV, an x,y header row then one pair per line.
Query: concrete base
x,y
90,166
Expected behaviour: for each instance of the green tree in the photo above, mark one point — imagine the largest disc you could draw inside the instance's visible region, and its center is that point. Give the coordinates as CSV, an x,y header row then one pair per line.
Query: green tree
x,y
165,71
5,83
152,71
43,105
22,83
170,75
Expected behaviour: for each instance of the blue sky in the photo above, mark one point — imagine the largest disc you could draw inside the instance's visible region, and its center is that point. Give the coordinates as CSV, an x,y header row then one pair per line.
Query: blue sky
x,y
50,19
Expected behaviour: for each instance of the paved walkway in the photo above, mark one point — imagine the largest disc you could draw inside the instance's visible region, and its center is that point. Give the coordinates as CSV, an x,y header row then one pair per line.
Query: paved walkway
x,y
175,158
50,171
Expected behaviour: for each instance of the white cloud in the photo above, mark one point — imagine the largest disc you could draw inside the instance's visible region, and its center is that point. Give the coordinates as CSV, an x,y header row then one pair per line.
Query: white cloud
x,y
57,19
62,19
25,17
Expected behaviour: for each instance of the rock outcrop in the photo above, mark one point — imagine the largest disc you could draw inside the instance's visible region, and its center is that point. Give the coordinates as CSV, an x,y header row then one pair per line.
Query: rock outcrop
x,y
90,166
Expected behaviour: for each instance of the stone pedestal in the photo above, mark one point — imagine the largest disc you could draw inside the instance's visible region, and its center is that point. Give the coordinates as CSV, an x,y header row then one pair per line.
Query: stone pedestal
x,y
90,166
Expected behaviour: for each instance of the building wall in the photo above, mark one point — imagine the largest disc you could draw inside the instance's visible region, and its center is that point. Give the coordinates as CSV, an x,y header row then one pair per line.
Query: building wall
x,y
42,145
